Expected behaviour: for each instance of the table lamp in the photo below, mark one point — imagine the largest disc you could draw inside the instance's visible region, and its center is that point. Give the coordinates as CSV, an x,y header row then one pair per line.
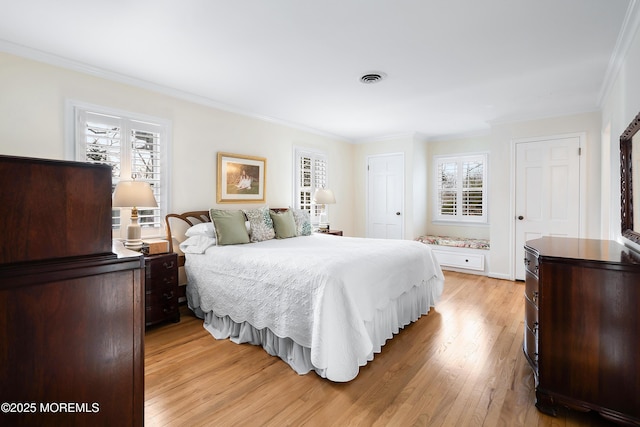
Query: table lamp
x,y
324,196
134,195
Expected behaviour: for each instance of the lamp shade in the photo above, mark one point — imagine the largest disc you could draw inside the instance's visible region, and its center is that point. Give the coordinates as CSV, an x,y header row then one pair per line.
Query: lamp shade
x,y
324,196
130,194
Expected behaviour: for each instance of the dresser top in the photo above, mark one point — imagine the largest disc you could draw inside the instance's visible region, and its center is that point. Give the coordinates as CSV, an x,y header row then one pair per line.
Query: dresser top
x,y
583,249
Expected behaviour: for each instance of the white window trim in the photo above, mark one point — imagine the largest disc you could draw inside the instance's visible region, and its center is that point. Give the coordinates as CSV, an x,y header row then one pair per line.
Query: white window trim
x,y
299,151
71,132
461,219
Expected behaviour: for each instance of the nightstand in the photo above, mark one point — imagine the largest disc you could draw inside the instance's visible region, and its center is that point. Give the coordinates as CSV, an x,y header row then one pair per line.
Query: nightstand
x,y
332,232
161,288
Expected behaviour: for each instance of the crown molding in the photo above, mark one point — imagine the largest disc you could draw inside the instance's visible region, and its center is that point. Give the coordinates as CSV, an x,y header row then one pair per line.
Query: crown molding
x,y
69,64
626,36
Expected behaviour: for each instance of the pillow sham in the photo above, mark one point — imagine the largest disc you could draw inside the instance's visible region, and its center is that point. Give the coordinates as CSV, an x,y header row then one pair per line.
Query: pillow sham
x,y
202,229
303,222
261,224
283,224
229,226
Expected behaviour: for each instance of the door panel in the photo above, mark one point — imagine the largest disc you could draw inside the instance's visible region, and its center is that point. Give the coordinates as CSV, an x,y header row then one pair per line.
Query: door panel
x,y
547,192
385,196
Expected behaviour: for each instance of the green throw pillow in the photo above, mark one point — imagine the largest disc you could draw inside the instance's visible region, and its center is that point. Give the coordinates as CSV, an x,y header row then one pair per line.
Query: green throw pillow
x,y
284,224
229,226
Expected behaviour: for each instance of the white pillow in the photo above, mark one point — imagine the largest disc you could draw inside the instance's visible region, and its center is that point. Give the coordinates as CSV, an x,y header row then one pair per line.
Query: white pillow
x,y
202,229
197,244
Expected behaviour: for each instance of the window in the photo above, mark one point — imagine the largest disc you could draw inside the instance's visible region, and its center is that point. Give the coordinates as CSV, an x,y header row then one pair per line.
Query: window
x,y
461,188
134,147
310,174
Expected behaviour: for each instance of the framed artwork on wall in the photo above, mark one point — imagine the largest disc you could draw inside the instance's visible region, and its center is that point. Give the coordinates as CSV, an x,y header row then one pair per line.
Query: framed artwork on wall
x,y
241,179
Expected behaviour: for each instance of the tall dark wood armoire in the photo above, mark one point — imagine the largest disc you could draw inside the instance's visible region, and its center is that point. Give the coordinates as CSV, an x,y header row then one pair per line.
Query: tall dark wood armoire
x,y
71,310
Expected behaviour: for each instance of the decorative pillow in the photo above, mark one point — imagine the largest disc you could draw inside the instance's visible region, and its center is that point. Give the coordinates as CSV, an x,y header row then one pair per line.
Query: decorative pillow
x,y
261,224
303,222
229,226
202,229
283,224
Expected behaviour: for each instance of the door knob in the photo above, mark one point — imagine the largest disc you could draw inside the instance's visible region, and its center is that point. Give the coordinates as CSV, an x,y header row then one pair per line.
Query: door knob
x,y
397,213
520,217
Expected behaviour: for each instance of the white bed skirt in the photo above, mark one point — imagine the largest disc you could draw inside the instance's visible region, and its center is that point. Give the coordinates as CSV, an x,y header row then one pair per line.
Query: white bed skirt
x,y
407,308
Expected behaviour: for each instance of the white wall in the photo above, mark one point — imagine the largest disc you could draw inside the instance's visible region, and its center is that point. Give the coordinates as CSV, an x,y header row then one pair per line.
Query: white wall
x,y
498,142
502,137
458,147
32,124
620,106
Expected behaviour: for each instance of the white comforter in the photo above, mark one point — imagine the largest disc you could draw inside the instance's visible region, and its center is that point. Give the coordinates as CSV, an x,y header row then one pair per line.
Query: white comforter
x,y
318,290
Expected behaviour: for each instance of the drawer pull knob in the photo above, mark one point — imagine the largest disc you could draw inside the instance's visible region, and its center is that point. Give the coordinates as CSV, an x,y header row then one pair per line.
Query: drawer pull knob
x,y
527,261
535,328
168,295
168,266
535,297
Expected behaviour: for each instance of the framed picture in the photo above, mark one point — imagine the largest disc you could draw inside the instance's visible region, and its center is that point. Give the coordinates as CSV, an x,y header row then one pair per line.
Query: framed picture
x,y
241,179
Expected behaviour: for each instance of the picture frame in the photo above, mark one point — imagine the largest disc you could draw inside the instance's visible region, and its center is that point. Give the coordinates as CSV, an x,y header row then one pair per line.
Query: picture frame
x,y
241,179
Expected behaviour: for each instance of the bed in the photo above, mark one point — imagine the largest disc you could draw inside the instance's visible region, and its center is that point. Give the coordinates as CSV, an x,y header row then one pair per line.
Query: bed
x,y
320,302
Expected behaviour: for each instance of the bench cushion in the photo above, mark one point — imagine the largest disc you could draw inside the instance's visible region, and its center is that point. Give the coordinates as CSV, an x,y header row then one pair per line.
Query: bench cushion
x,y
458,242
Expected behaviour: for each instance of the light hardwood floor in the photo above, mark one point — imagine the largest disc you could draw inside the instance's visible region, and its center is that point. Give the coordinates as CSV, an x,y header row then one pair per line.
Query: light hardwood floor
x,y
461,365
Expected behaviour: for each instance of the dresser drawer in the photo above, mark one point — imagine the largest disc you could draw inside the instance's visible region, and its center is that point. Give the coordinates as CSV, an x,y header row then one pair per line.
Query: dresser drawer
x,y
531,262
530,348
531,288
531,316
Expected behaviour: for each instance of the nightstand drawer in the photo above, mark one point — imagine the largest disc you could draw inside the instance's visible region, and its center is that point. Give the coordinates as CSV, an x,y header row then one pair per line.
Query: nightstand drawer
x,y
162,312
161,295
161,265
161,288
159,282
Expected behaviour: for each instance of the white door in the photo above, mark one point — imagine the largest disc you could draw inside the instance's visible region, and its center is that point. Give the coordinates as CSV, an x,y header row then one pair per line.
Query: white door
x,y
385,196
547,192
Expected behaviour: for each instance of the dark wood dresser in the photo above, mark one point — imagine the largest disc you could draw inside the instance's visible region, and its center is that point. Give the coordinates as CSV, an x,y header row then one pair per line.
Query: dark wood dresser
x,y
71,309
161,288
582,318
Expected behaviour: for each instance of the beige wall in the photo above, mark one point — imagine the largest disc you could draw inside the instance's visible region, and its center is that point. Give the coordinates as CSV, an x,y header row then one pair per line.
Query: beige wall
x,y
415,203
32,123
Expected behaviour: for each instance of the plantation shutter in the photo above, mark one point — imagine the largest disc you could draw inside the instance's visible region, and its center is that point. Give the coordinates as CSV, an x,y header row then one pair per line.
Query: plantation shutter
x,y
132,148
311,174
461,188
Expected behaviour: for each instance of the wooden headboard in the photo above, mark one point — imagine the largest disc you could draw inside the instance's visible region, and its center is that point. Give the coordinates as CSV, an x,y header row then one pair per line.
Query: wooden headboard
x,y
177,226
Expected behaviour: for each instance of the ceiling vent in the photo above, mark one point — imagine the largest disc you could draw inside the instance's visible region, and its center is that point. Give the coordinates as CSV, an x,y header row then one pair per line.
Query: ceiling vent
x,y
371,78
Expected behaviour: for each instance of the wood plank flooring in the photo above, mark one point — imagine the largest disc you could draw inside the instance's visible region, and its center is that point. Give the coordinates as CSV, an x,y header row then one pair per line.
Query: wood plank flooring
x,y
461,365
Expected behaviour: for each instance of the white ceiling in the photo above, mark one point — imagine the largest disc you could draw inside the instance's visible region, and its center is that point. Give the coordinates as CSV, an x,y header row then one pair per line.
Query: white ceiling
x,y
454,67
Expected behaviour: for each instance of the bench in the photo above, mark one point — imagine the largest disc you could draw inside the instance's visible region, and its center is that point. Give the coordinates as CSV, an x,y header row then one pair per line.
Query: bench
x,y
459,253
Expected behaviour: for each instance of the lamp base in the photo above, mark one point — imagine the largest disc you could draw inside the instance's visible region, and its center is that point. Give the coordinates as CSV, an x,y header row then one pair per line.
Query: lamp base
x,y
133,244
134,233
